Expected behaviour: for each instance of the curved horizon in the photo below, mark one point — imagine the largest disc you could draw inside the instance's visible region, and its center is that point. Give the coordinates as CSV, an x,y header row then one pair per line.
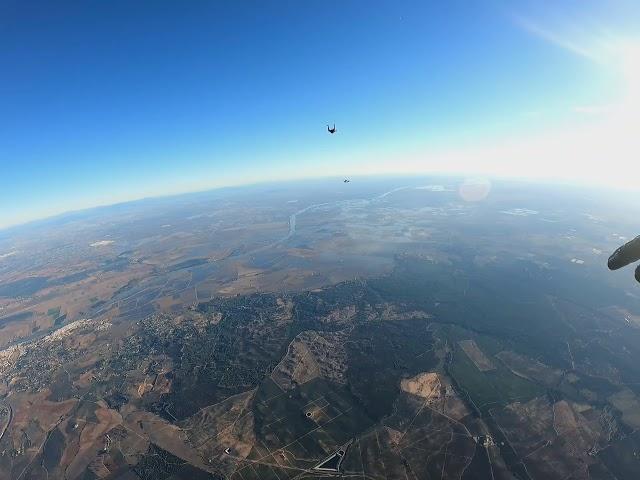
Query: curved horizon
x,y
106,103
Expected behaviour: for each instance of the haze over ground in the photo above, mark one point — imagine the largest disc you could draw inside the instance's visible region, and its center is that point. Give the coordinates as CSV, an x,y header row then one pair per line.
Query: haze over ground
x,y
109,101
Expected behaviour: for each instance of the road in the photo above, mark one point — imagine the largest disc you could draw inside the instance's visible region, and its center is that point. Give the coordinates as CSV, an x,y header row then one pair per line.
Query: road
x,y
10,417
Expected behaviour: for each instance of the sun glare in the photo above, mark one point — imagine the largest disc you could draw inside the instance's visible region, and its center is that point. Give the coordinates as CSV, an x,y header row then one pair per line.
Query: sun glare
x,y
630,70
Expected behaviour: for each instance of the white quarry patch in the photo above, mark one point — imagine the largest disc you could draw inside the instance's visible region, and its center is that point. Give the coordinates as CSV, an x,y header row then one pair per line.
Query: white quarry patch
x,y
102,243
592,217
520,212
435,188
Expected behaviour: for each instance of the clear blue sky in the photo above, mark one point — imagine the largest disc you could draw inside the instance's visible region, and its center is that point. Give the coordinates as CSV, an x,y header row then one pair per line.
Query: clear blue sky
x,y
103,101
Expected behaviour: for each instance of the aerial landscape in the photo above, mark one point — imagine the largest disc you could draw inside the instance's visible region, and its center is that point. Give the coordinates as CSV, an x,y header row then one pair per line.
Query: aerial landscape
x,y
301,240
381,329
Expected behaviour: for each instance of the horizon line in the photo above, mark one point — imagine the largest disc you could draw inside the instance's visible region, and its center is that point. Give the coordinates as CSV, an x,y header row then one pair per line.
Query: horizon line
x,y
399,173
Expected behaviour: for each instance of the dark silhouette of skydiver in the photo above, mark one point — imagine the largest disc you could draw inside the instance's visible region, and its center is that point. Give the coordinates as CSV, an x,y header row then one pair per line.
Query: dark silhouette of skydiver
x,y
331,130
626,254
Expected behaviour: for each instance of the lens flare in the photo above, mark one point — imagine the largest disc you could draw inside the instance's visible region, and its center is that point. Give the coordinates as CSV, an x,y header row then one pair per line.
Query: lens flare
x,y
474,189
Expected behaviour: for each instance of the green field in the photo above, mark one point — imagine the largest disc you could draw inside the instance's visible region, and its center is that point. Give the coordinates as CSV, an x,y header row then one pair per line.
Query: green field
x,y
489,388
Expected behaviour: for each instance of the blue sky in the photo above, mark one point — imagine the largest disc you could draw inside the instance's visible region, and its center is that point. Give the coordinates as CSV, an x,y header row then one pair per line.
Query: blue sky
x,y
105,101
